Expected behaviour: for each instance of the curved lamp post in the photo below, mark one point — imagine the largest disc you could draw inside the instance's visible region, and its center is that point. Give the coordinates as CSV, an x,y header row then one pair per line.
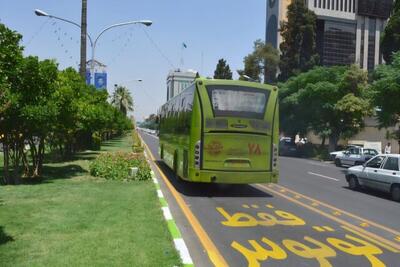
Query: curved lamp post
x,y
41,13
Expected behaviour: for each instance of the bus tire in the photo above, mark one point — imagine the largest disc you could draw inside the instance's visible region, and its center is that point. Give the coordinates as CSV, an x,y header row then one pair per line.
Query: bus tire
x,y
162,152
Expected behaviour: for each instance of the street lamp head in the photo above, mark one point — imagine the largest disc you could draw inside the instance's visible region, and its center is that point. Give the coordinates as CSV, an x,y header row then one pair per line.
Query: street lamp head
x,y
39,12
146,22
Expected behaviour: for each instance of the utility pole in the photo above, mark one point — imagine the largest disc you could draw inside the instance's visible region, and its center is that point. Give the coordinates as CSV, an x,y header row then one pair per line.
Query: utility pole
x,y
82,68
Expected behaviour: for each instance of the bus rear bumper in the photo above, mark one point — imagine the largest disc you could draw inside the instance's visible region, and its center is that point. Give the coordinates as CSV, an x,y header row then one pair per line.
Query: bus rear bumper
x,y
235,177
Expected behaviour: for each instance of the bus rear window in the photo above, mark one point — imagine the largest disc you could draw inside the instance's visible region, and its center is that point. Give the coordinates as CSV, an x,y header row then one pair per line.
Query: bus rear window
x,y
238,101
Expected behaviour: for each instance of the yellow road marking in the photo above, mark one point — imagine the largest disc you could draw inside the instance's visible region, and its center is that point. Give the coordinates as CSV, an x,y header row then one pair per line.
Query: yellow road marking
x,y
245,206
364,224
269,206
397,238
213,253
342,211
318,228
254,206
329,216
370,239
329,229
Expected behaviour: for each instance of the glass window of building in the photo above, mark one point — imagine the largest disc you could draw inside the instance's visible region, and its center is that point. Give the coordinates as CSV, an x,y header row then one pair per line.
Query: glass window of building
x,y
371,43
339,43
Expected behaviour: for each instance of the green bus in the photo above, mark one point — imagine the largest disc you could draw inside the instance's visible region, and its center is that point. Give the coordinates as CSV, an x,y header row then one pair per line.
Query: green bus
x,y
222,131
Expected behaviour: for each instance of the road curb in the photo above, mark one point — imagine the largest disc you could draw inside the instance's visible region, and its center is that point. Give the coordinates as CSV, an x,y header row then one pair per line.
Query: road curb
x,y
179,243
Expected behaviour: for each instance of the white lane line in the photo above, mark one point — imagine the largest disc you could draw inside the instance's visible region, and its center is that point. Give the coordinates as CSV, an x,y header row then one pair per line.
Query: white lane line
x,y
183,251
323,176
156,137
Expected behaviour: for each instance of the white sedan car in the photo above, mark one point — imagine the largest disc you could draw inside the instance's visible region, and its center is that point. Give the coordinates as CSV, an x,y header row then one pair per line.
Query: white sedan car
x,y
381,172
355,156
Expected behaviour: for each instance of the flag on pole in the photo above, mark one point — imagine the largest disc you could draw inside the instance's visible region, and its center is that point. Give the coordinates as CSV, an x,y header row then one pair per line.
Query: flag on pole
x,y
184,45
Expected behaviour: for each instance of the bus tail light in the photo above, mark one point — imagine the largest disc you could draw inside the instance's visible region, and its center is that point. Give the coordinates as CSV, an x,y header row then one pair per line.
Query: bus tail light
x,y
197,154
275,157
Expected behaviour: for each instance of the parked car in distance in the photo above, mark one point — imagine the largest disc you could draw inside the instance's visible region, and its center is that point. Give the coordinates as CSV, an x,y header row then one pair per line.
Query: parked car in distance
x,y
354,156
287,147
340,152
381,172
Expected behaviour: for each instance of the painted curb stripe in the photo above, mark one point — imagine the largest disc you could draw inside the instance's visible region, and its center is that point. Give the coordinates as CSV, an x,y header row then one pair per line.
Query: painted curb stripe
x,y
163,202
167,213
159,193
179,243
183,251
173,229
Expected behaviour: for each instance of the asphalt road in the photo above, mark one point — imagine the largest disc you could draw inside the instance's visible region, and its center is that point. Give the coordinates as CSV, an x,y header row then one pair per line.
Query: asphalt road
x,y
310,218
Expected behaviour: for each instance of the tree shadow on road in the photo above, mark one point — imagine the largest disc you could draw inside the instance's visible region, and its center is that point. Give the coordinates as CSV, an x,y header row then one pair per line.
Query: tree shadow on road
x,y
209,189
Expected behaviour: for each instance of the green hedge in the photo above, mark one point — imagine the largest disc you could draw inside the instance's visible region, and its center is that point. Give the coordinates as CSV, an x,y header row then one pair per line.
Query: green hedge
x,y
116,166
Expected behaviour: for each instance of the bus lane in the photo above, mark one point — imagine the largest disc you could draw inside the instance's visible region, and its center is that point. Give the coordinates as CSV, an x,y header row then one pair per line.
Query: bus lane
x,y
275,232
263,225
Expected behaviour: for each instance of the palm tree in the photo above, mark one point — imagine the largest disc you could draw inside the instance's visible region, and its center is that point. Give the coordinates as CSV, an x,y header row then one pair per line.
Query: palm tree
x,y
122,99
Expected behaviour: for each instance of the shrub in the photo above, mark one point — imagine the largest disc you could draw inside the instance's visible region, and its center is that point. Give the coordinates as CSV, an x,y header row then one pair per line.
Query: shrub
x,y
116,166
137,146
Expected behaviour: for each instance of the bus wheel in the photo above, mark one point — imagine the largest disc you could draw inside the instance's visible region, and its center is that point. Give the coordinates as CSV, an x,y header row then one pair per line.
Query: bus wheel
x,y
162,152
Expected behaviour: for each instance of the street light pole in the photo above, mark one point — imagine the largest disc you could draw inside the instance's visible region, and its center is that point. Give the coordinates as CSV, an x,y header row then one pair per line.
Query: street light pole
x,y
39,12
82,67
144,22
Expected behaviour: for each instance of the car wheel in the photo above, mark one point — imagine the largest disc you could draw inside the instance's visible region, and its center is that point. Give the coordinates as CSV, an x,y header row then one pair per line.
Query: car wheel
x,y
353,183
396,193
338,163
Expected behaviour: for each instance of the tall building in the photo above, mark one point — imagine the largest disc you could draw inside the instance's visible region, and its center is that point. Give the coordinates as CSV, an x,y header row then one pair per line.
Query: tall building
x,y
178,80
348,31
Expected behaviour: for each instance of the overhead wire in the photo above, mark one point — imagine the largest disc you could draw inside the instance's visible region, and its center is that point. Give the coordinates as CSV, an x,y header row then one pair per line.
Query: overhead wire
x,y
158,48
37,32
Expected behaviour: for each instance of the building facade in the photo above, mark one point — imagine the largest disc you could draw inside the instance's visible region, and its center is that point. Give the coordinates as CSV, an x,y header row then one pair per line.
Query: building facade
x,y
348,31
178,80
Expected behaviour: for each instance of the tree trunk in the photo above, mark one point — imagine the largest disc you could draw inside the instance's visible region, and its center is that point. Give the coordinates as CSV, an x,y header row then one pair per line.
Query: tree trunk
x,y
333,140
38,163
7,179
16,160
323,141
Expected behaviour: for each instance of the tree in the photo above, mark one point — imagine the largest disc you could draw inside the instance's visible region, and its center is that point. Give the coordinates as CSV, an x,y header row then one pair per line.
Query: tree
x,y
268,57
299,46
329,101
386,93
122,100
262,63
10,58
390,41
222,71
251,68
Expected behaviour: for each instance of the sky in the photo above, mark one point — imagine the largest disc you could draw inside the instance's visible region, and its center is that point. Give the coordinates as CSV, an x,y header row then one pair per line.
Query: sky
x,y
211,29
